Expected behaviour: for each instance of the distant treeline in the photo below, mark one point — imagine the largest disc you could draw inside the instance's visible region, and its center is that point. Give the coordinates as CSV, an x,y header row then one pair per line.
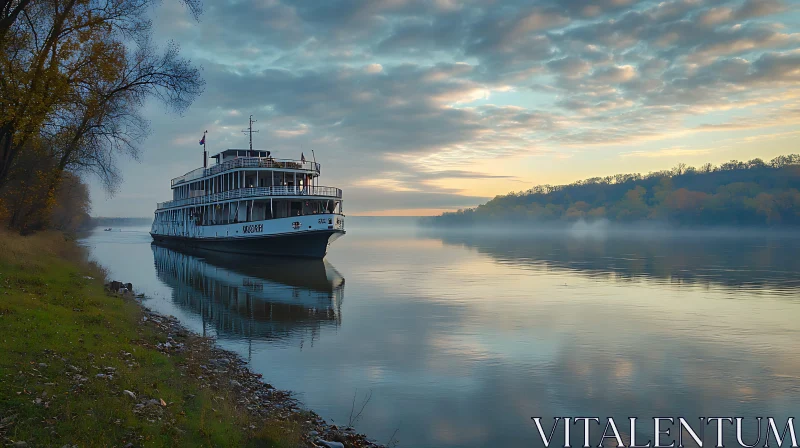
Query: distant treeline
x,y
753,193
119,222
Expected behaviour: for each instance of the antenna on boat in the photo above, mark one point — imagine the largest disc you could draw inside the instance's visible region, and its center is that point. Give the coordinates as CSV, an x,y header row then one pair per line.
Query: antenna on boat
x,y
250,131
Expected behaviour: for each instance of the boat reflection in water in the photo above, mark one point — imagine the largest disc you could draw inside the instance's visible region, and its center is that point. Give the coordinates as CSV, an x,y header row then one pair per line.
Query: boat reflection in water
x,y
250,297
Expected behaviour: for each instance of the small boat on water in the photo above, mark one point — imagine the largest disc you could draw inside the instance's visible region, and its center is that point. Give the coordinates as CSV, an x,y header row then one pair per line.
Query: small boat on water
x,y
108,229
251,203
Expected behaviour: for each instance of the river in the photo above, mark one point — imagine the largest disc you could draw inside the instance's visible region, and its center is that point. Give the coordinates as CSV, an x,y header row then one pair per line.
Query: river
x,y
458,339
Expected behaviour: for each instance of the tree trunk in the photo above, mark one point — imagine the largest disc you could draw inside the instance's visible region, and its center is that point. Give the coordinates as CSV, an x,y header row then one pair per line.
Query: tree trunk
x,y
7,153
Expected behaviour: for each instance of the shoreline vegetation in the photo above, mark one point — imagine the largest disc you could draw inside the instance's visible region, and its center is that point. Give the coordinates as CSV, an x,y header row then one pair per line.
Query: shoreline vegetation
x,y
750,194
84,366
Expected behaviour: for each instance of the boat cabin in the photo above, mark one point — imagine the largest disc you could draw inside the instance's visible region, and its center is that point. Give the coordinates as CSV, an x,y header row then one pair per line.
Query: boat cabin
x,y
244,168
250,185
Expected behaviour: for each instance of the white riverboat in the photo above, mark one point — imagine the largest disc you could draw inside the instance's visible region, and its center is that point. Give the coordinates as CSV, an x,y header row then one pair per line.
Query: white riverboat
x,y
249,202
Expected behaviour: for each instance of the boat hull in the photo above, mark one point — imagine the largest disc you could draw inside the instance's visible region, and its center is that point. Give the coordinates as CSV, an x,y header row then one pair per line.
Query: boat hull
x,y
308,244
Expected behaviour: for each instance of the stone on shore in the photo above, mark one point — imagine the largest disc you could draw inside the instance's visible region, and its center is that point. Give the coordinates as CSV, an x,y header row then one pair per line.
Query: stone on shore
x,y
331,444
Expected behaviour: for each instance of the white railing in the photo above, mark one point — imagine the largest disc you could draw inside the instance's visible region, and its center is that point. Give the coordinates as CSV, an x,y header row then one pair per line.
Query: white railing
x,y
247,162
242,193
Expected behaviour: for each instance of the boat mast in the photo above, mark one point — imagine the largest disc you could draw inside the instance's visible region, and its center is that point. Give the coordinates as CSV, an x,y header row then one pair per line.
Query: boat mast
x,y
250,131
205,154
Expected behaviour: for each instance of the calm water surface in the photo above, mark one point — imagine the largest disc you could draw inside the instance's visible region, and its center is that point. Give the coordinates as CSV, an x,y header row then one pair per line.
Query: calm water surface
x,y
461,338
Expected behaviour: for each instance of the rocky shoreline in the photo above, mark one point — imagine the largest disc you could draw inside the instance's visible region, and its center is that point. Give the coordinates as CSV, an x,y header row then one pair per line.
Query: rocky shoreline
x,y
86,364
222,370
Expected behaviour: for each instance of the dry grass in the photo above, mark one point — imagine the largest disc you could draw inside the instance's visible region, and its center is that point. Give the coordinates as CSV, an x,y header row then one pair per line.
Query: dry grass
x,y
38,250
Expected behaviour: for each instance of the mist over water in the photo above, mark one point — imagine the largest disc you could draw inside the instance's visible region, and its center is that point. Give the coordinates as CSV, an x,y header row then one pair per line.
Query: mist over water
x,y
462,336
583,229
603,228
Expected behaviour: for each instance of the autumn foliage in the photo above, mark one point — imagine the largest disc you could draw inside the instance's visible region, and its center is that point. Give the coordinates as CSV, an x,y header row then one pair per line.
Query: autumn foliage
x,y
74,75
753,193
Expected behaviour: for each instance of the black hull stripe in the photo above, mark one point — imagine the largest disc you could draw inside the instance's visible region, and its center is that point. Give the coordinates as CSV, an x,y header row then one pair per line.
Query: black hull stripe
x,y
310,244
247,238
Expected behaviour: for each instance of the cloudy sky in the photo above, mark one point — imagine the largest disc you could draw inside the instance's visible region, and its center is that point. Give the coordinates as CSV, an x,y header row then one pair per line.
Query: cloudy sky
x,y
419,106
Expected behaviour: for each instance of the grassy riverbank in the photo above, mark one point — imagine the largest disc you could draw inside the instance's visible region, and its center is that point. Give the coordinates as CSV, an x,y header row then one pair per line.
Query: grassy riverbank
x,y
79,367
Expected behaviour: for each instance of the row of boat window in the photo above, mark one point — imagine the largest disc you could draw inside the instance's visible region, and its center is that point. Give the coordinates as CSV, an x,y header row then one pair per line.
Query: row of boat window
x,y
248,211
241,179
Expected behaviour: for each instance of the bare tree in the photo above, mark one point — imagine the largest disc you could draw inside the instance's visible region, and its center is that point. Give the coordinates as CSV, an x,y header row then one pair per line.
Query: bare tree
x,y
104,123
74,75
55,53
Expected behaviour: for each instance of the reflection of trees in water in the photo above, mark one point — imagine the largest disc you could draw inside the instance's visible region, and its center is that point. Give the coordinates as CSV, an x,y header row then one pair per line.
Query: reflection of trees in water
x,y
732,262
253,297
